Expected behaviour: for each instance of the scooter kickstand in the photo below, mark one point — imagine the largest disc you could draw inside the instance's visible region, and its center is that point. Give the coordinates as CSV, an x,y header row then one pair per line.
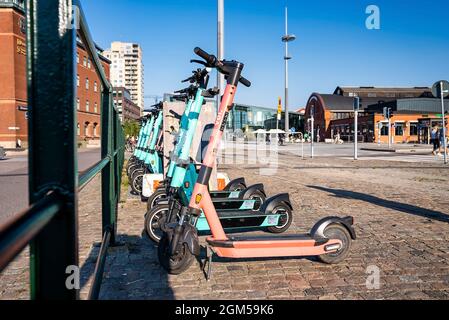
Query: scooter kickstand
x,y
209,256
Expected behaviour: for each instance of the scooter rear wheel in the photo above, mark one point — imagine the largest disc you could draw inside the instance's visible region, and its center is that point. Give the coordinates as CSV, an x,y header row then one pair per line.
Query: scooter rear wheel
x,y
154,219
337,231
174,264
285,220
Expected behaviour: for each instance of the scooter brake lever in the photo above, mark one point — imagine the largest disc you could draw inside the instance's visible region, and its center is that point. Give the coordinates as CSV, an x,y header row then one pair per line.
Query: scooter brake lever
x,y
199,62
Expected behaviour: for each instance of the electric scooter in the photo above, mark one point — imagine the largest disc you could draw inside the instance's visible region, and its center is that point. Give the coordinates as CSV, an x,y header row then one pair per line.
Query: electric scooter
x,y
144,122
153,158
235,214
139,160
236,189
330,239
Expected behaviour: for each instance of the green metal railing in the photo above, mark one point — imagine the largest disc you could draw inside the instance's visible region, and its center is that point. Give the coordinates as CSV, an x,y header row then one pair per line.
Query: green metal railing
x,y
50,224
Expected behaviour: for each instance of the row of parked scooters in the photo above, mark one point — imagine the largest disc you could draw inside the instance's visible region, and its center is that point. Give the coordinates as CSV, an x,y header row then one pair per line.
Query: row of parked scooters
x,y
183,207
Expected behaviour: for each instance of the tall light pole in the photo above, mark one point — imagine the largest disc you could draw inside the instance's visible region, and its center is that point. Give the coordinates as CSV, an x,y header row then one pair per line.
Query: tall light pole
x,y
220,46
286,39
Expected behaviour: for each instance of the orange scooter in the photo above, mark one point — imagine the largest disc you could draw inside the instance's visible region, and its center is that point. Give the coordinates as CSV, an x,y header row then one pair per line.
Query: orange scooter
x,y
330,239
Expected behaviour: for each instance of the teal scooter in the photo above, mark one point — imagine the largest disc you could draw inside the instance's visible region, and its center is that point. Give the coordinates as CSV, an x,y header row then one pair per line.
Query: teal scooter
x,y
143,133
144,149
152,157
235,189
185,174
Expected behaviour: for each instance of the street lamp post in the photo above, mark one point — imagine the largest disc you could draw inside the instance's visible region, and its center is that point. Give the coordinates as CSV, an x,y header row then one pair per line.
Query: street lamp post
x,y
443,114
220,46
286,39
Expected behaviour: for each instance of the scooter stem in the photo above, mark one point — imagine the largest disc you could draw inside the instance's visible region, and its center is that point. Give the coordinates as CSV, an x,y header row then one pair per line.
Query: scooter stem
x,y
200,198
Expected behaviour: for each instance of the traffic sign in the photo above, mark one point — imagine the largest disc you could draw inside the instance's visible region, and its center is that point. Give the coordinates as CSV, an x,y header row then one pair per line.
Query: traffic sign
x,y
436,89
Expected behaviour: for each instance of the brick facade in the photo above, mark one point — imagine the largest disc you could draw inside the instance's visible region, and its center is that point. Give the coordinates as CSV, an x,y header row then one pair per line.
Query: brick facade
x,y
13,84
13,123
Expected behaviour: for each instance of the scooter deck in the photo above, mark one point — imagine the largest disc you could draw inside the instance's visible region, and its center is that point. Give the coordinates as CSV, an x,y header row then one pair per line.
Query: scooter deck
x,y
273,246
241,219
224,194
235,204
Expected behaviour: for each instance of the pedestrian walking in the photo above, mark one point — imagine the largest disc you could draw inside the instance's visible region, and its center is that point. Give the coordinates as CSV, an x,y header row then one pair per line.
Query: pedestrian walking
x,y
434,140
267,138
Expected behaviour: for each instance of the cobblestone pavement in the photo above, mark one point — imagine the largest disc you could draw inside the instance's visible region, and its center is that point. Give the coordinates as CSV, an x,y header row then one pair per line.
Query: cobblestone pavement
x,y
401,218
15,278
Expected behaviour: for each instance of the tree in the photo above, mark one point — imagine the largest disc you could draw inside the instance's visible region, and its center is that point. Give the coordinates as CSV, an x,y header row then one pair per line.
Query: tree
x,y
131,128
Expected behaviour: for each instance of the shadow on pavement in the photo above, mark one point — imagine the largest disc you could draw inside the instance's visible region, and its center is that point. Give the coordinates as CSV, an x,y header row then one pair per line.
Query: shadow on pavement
x,y
398,206
132,271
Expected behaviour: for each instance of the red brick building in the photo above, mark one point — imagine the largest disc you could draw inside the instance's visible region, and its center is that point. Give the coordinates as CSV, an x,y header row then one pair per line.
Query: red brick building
x,y
414,110
88,102
127,109
13,83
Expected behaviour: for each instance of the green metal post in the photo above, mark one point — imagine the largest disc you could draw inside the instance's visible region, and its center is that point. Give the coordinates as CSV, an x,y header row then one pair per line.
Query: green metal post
x,y
51,72
107,175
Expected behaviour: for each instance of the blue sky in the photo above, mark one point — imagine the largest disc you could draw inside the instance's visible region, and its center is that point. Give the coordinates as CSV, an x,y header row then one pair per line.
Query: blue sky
x,y
333,46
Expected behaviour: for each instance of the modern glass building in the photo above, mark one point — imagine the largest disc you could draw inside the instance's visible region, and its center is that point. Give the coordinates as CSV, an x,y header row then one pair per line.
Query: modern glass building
x,y
251,118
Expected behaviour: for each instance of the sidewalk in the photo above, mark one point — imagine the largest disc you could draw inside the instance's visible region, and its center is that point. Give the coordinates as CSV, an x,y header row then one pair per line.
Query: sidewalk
x,y
402,233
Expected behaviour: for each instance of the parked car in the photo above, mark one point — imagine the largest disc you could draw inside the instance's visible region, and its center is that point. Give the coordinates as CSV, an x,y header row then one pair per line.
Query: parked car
x,y
2,153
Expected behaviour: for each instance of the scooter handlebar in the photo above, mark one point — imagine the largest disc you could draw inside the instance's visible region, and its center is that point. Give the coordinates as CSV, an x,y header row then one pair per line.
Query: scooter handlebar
x,y
245,82
210,59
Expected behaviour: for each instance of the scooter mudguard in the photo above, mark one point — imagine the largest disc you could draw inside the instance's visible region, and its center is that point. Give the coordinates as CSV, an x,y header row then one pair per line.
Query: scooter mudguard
x,y
320,226
189,236
163,201
234,183
270,204
246,194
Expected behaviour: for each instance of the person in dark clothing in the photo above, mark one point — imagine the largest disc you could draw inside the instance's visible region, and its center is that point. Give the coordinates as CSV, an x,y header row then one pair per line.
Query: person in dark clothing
x,y
434,140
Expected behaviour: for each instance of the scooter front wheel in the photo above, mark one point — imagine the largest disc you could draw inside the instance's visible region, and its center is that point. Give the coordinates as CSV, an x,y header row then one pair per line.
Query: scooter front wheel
x,y
259,199
174,264
157,195
154,219
137,181
339,232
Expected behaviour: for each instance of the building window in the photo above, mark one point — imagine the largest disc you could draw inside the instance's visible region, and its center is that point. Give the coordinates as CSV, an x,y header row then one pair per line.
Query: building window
x,y
78,103
77,58
88,63
413,129
78,130
384,130
399,129
85,62
96,107
95,86
86,129
95,129
87,83
78,80
87,106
